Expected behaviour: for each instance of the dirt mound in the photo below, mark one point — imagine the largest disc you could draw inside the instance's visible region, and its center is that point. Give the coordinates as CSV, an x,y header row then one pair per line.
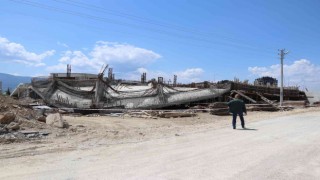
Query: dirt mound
x,y
20,122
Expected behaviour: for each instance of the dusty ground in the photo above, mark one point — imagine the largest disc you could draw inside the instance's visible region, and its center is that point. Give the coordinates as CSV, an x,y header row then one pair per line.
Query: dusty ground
x,y
91,132
281,145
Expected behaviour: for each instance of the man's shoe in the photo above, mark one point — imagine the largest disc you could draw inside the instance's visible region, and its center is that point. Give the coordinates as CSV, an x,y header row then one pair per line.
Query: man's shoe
x,y
234,127
243,127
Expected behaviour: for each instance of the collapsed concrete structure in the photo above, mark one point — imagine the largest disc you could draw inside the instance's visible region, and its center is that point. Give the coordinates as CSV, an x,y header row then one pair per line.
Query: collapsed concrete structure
x,y
94,91
90,91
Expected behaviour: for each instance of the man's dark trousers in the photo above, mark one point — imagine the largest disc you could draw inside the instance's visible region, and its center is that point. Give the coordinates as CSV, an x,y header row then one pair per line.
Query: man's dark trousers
x,y
234,119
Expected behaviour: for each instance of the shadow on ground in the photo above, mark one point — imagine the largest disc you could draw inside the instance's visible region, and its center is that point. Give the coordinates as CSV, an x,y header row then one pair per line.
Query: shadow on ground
x,y
248,129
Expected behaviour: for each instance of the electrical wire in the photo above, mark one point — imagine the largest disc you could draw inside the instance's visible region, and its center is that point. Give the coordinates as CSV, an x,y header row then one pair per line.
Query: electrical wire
x,y
39,5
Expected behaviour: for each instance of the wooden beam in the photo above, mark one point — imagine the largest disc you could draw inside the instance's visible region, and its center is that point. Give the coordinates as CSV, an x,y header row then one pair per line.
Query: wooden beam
x,y
241,94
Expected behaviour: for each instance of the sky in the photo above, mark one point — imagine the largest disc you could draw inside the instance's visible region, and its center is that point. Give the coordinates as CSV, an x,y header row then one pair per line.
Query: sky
x,y
196,40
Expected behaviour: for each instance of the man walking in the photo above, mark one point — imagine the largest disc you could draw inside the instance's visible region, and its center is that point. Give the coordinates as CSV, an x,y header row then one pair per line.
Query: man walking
x,y
237,107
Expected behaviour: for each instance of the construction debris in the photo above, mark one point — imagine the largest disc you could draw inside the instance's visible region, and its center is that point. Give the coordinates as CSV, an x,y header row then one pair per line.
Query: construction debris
x,y
140,114
87,91
261,107
272,103
200,107
56,120
176,114
13,126
18,119
295,103
243,95
7,118
220,109
218,105
160,114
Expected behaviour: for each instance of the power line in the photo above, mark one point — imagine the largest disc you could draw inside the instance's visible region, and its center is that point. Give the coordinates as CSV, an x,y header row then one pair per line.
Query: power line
x,y
99,29
146,20
39,5
138,18
125,15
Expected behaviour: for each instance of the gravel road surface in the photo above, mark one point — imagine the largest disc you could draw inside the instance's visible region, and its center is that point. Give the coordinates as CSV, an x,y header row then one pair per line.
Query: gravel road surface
x,y
278,148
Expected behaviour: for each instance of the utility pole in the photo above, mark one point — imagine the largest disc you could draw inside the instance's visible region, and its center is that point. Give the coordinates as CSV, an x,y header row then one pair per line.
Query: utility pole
x,y
282,53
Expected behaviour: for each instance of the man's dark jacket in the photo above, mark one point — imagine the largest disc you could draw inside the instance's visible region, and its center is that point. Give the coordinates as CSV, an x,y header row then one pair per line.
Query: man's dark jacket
x,y
237,106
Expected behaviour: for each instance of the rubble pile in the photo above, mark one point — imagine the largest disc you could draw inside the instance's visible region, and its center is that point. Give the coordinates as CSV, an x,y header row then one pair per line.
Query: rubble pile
x,y
20,122
219,108
261,107
317,103
201,107
222,109
154,114
295,103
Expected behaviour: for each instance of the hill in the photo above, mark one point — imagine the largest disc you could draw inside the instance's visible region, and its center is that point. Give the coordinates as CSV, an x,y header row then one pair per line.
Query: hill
x,y
11,81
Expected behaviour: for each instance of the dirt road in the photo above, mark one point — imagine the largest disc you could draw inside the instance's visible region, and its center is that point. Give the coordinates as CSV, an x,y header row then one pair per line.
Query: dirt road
x,y
278,148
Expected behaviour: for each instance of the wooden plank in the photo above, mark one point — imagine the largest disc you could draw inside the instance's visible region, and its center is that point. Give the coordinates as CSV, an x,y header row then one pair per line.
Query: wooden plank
x,y
266,99
241,94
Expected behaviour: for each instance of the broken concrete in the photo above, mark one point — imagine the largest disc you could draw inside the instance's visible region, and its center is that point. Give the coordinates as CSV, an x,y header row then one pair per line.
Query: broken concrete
x,y
17,116
56,120
42,119
7,118
13,126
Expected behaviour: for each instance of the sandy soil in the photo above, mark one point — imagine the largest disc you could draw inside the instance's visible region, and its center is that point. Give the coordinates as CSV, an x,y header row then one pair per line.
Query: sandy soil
x,y
282,145
91,132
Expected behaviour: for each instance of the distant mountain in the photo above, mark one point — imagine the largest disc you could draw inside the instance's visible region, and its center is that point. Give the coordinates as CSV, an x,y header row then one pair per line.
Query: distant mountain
x,y
11,81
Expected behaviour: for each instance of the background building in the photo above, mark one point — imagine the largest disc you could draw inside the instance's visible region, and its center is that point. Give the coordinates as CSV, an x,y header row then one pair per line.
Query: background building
x,y
266,81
